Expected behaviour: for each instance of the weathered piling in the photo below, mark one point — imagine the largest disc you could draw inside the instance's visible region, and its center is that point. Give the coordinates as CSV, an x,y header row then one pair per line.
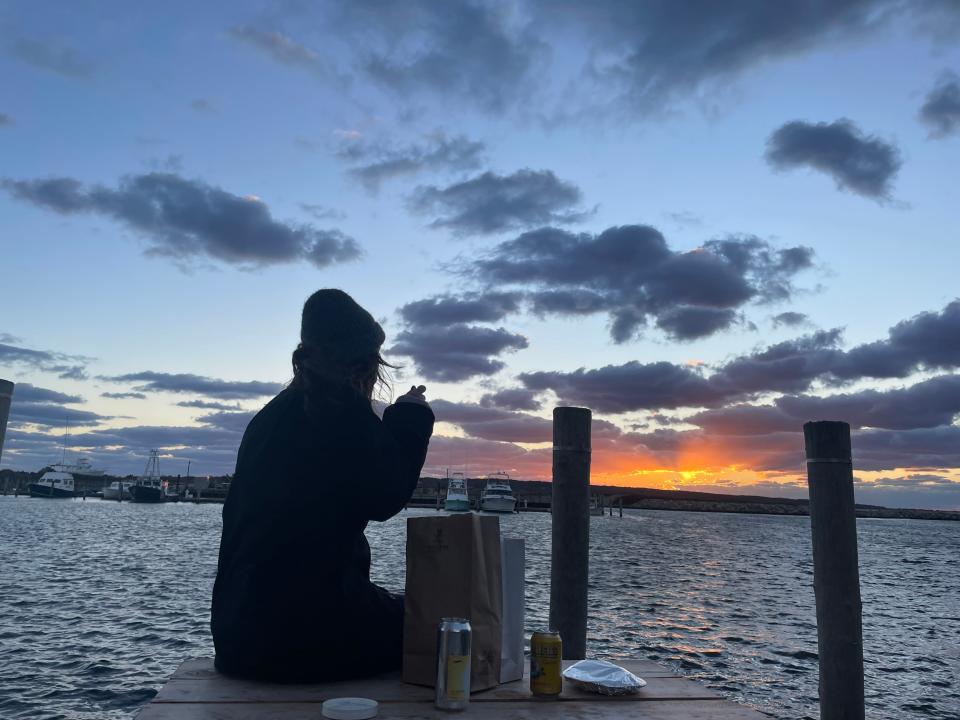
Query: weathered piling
x,y
569,563
6,396
836,579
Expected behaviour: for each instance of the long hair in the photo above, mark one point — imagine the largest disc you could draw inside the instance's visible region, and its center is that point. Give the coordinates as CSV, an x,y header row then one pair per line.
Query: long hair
x,y
325,376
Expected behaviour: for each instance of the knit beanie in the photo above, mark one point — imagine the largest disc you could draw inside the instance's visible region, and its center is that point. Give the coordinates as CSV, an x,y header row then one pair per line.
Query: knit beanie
x,y
334,321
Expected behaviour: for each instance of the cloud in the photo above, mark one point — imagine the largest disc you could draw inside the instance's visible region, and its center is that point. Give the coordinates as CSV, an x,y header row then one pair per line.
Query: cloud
x,y
481,53
5,120
208,405
491,203
54,58
490,423
789,319
941,108
72,367
456,352
284,50
124,395
512,399
203,105
437,153
469,307
927,404
929,341
188,218
32,405
321,212
25,392
860,163
631,274
200,385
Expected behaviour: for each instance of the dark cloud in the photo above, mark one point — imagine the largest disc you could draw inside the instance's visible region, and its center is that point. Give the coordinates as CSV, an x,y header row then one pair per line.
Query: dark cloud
x,y
490,423
631,386
941,109
203,105
124,395
512,399
918,490
208,405
649,53
927,404
456,352
478,52
55,58
284,50
25,392
5,120
32,405
235,421
491,203
631,274
188,218
927,341
322,212
437,153
197,385
789,319
860,163
453,309
68,367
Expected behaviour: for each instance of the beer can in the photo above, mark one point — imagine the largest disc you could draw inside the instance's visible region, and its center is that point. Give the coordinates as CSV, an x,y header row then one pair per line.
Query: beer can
x,y
453,664
546,661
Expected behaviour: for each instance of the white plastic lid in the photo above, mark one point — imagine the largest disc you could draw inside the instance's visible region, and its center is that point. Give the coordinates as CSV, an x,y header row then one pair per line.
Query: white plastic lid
x,y
349,708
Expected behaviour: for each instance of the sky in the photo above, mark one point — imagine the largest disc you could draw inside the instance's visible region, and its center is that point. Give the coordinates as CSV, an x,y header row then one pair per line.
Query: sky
x,y
707,222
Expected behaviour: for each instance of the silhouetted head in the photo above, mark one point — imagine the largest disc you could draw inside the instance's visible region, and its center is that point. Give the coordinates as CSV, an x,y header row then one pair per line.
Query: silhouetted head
x,y
339,347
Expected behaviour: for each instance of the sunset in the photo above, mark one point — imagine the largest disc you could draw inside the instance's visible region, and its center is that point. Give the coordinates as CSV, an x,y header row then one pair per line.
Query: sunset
x,y
227,226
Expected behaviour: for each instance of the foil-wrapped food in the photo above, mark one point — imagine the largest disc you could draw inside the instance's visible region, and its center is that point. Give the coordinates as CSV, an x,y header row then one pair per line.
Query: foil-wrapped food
x,y
605,678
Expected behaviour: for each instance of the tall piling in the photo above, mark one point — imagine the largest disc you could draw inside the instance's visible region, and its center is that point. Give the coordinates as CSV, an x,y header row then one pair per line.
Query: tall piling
x,y
6,397
836,579
569,556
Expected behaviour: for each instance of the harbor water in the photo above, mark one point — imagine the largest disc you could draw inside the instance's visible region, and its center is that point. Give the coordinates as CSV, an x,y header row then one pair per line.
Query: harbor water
x,y
100,601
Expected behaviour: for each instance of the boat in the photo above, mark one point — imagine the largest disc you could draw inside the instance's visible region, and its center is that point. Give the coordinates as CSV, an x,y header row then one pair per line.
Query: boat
x,y
497,495
113,490
81,469
457,500
53,484
148,488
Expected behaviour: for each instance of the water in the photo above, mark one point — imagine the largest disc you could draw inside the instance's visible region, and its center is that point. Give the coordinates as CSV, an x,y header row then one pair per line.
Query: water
x,y
100,601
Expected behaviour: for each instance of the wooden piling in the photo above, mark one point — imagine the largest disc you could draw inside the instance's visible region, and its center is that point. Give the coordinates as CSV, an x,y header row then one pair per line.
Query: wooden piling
x,y
569,557
836,579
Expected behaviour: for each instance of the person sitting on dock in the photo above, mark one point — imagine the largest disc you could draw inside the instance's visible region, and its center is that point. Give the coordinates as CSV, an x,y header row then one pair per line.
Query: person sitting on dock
x,y
293,600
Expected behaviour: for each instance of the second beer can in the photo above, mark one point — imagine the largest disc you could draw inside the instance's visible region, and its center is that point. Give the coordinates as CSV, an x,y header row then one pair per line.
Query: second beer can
x,y
546,661
453,664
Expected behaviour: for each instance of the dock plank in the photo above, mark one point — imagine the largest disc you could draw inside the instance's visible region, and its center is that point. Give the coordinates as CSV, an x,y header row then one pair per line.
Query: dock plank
x,y
196,691
530,710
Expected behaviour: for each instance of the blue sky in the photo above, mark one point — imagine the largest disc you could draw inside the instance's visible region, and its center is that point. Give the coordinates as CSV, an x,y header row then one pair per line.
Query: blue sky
x,y
664,116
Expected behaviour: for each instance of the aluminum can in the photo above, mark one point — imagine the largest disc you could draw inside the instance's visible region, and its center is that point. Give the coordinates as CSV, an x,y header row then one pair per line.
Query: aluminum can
x,y
546,662
453,664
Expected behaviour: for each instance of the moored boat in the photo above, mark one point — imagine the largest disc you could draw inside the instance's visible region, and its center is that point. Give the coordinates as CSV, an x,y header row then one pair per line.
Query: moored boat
x,y
117,490
497,495
457,500
53,484
148,488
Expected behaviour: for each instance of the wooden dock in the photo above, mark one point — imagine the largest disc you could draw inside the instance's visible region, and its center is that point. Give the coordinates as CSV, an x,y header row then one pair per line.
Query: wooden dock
x,y
196,691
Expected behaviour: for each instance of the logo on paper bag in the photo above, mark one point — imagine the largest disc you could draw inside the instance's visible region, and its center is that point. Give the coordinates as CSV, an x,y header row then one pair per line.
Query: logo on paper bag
x,y
438,543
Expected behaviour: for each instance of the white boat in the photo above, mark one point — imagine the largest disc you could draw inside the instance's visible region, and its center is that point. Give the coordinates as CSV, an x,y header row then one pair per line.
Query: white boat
x,y
457,500
497,495
53,484
113,490
82,468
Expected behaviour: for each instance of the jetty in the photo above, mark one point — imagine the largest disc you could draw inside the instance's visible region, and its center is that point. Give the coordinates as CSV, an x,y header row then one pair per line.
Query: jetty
x,y
198,692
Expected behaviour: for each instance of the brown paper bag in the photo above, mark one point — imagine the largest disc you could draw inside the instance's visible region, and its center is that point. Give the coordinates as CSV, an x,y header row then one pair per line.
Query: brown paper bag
x,y
453,570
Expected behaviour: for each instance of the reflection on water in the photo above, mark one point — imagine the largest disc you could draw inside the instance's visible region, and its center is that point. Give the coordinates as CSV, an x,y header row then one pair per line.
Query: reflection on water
x,y
100,601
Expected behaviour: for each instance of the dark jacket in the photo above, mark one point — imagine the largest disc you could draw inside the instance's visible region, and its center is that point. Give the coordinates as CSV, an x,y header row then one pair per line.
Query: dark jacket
x,y
293,600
